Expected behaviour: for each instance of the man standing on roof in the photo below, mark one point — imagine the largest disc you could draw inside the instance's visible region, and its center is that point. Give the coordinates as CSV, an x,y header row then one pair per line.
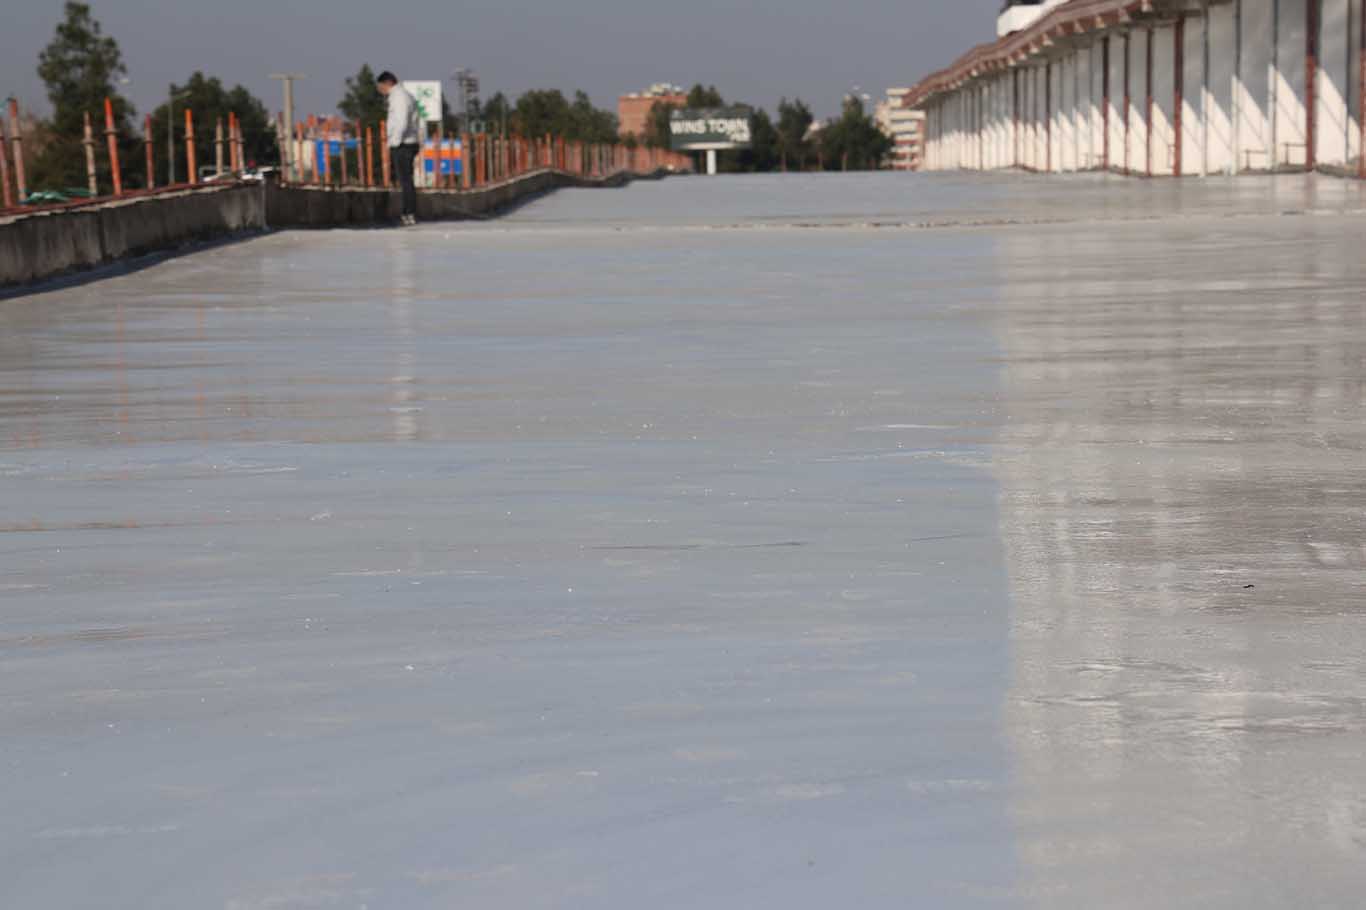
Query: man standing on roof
x,y
404,136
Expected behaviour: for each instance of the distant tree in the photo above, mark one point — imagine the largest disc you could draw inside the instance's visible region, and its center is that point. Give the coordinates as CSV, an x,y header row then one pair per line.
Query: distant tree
x,y
362,100
497,114
853,141
80,67
210,102
589,123
658,134
762,155
705,97
794,122
543,112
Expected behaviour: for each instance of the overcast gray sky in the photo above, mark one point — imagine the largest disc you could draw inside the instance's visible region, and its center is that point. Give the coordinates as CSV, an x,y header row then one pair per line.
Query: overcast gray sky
x,y
752,50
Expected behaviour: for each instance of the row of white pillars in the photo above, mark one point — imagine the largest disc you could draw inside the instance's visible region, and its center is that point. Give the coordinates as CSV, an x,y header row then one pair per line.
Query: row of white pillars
x,y
1232,87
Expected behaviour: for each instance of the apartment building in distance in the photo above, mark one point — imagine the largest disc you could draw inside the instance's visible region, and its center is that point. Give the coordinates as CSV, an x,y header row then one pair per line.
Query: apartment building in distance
x,y
906,126
633,110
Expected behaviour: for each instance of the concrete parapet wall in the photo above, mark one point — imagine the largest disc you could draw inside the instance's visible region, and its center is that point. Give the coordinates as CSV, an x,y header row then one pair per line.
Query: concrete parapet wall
x,y
44,244
323,207
35,246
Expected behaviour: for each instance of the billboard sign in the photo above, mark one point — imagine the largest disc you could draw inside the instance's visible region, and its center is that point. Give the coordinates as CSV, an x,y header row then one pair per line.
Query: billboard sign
x,y
717,129
428,98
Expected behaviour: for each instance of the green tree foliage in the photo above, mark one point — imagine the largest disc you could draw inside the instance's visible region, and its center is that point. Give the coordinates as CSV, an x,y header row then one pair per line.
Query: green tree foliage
x,y
705,97
794,122
543,112
853,141
591,123
210,102
494,115
80,67
450,123
362,100
657,131
762,155
497,114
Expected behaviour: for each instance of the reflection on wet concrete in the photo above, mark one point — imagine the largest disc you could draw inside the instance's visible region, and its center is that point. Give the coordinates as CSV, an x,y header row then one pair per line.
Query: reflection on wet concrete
x,y
1184,509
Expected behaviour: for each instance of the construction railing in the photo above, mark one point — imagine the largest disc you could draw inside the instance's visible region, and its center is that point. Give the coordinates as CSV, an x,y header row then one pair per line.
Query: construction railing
x,y
359,160
16,193
360,156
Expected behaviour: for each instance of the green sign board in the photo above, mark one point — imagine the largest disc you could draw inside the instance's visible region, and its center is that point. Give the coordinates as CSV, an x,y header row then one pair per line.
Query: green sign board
x,y
716,129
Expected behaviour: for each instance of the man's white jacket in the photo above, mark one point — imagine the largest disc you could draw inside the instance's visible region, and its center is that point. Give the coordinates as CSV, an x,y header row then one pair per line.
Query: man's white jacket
x,y
402,123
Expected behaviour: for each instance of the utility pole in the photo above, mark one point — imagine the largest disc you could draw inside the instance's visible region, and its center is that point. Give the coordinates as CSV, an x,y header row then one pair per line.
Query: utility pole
x,y
171,99
468,85
287,140
170,137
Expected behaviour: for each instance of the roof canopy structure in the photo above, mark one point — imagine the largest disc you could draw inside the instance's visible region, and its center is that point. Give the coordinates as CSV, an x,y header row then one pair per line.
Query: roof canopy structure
x,y
1057,28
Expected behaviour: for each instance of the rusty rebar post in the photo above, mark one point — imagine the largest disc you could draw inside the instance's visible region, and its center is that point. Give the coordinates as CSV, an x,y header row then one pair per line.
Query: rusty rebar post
x,y
112,135
191,162
327,161
438,178
369,157
360,156
147,152
218,147
6,191
341,151
16,138
466,156
386,165
91,182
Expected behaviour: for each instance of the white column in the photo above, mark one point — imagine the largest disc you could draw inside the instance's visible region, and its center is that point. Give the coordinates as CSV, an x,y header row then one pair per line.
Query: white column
x,y
1037,117
1219,111
1138,91
1163,137
1117,64
1254,88
1289,125
1333,119
1194,101
1066,70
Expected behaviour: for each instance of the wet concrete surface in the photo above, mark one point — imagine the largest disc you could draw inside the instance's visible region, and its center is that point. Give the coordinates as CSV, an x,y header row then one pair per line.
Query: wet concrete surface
x,y
748,542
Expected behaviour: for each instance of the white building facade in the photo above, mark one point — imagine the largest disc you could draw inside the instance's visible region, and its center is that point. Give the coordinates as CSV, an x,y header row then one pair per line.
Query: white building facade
x,y
906,127
1158,88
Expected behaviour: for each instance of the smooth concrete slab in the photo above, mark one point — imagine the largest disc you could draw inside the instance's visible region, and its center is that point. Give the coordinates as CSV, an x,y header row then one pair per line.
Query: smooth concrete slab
x,y
878,541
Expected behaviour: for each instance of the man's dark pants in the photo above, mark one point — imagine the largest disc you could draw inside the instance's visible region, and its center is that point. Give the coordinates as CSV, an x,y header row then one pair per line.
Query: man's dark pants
x,y
404,158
